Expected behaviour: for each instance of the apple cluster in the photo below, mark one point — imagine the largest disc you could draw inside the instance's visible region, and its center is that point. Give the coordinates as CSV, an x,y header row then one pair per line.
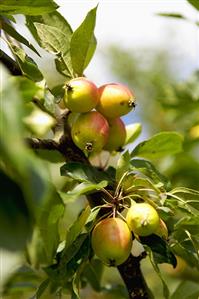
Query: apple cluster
x,y
97,124
112,237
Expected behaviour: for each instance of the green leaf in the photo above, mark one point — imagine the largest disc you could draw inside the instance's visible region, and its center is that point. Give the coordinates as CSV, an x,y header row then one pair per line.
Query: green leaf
x,y
187,196
17,36
27,7
186,290
28,172
26,64
161,251
49,216
172,15
166,292
53,33
83,43
81,189
69,260
190,224
93,273
75,285
83,173
147,168
28,89
160,145
123,165
194,3
77,227
132,132
15,218
52,156
9,17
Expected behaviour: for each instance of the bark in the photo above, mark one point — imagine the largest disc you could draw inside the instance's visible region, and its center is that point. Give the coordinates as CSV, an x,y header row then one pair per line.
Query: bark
x,y
132,276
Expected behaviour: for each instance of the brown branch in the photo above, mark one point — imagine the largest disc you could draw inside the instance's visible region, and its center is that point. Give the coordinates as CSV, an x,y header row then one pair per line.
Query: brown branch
x,y
10,64
132,276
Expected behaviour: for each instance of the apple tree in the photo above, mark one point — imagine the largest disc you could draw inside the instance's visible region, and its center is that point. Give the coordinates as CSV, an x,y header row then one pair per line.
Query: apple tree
x,y
67,145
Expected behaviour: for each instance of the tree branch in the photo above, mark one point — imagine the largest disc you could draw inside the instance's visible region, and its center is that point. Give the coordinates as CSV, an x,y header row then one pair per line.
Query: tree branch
x,y
132,276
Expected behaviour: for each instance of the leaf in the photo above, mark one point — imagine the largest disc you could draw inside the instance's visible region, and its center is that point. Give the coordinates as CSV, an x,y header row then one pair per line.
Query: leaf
x,y
52,156
190,224
28,89
147,168
194,3
172,15
53,33
166,292
83,43
28,171
132,132
160,249
187,196
26,64
9,17
27,7
186,290
15,233
93,273
77,227
83,173
17,36
75,285
123,165
49,216
92,219
81,189
160,145
68,260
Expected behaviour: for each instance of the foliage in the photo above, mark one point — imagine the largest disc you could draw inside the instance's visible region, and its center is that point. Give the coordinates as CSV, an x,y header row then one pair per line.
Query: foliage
x,y
58,259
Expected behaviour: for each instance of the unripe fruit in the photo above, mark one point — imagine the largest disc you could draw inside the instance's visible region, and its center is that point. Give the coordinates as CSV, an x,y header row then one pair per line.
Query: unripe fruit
x,y
117,135
142,219
112,241
115,100
81,95
90,132
162,230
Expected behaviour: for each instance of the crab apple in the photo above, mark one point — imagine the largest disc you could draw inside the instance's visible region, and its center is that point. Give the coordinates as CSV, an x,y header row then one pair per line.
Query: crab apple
x,y
81,95
142,219
112,241
117,135
115,100
90,132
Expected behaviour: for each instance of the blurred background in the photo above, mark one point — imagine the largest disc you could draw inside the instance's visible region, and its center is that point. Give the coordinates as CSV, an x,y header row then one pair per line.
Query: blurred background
x,y
158,57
